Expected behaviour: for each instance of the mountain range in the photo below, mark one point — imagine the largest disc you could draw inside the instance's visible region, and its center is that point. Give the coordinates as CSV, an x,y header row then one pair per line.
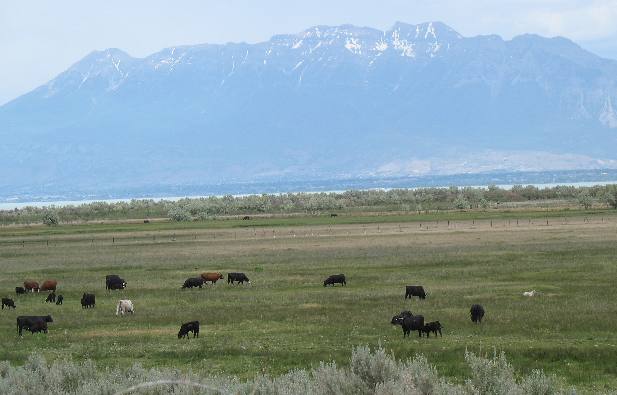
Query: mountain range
x,y
331,101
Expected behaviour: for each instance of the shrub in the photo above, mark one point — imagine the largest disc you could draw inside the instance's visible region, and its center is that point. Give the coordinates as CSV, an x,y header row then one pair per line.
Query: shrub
x,y
610,196
369,372
51,218
585,199
460,203
179,214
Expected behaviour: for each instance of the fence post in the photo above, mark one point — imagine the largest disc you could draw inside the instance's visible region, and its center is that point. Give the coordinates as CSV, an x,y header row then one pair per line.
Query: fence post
x,y
113,240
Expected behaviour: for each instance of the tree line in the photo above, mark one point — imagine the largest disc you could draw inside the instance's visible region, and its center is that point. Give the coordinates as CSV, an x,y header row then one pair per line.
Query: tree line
x,y
420,199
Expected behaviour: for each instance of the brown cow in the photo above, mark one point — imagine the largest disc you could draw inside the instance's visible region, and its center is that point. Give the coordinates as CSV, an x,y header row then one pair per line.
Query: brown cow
x,y
31,286
211,277
49,285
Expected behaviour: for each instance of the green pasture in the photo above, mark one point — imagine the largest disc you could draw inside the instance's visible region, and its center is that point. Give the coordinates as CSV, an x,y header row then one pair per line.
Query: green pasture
x,y
286,319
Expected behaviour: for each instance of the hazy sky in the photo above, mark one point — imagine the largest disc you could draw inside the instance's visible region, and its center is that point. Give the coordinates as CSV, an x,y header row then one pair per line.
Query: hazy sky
x,y
41,38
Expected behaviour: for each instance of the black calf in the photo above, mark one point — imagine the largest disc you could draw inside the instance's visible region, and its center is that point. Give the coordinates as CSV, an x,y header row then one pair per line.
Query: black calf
x,y
51,298
8,303
187,327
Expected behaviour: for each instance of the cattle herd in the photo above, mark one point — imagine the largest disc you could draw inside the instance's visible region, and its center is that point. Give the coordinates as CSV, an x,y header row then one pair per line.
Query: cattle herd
x,y
36,324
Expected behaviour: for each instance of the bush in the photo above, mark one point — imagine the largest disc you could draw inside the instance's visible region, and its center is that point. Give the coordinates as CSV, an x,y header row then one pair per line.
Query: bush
x,y
369,372
179,214
51,218
460,203
610,196
585,200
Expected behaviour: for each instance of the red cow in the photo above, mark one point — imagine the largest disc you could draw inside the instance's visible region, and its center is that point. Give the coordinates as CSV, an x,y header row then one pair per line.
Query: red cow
x,y
31,286
49,285
211,277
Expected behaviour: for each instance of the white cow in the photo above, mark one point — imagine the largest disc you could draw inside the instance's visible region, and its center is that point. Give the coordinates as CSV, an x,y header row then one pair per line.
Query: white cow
x,y
530,293
124,306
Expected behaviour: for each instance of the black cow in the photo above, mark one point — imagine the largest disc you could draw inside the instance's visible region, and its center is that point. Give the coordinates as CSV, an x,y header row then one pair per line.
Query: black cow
x,y
187,327
434,327
31,321
477,313
237,277
246,218
398,319
335,279
415,290
193,282
38,326
333,215
20,290
51,298
8,303
59,300
88,301
415,323
113,281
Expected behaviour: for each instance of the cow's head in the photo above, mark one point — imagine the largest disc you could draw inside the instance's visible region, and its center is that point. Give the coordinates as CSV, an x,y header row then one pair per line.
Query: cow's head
x,y
123,284
49,319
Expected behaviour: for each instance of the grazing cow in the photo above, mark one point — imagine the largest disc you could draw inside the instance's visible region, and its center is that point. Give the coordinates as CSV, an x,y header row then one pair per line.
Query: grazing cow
x,y
113,281
31,286
333,215
211,277
88,301
335,279
187,327
8,303
146,221
20,290
477,313
415,323
59,300
434,327
415,290
193,282
31,321
238,277
124,306
38,326
49,285
51,298
530,293
246,218
398,319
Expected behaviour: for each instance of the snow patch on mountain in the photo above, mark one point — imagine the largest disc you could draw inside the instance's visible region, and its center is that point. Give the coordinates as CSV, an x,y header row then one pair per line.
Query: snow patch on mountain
x,y
608,116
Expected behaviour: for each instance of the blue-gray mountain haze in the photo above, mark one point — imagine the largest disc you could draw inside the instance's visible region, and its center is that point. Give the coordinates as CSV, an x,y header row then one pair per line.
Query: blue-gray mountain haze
x,y
329,102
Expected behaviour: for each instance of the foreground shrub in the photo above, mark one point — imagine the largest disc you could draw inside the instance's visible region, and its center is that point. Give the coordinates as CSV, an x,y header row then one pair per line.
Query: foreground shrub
x,y
369,372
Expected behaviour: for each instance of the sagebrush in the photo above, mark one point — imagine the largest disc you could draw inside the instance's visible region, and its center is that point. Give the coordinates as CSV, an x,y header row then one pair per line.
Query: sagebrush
x,y
369,372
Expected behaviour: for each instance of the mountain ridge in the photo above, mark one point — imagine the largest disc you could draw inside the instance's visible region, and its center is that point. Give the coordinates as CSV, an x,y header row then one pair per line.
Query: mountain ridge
x,y
339,101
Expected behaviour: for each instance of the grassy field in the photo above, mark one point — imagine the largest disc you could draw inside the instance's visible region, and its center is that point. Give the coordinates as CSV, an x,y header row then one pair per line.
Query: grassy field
x,y
286,319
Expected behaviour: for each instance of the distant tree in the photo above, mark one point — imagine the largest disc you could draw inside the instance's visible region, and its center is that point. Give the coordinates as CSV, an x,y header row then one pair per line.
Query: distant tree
x,y
461,203
483,203
610,195
179,214
585,200
51,218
